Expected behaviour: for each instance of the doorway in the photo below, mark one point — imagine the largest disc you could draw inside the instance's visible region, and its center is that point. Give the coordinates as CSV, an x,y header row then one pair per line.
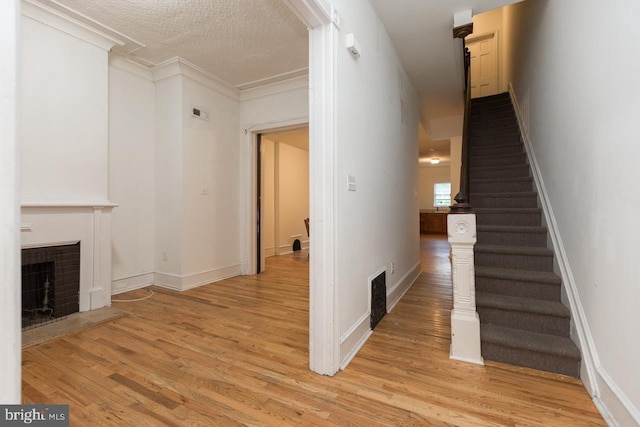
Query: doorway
x,y
282,203
484,64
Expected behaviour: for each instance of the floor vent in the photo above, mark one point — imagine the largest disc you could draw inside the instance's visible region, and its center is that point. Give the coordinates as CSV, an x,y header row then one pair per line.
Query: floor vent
x,y
378,298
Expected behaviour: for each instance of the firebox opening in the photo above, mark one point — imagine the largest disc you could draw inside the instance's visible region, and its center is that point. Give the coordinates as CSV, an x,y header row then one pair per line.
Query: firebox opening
x,y
50,284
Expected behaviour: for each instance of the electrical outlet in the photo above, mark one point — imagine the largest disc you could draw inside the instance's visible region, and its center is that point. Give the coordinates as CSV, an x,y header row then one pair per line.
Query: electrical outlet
x,y
393,267
164,256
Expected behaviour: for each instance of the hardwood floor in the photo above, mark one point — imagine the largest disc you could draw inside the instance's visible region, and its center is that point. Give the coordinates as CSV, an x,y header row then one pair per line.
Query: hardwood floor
x,y
235,353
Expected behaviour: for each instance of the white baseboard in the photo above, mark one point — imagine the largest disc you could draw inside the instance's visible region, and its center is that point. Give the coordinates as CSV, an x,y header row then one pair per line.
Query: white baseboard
x,y
612,403
269,251
395,294
284,250
131,283
353,340
190,281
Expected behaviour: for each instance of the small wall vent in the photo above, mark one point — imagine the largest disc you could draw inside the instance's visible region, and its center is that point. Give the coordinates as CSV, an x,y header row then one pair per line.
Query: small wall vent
x,y
199,113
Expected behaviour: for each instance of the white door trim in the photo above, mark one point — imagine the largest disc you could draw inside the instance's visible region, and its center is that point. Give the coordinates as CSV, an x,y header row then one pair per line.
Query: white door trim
x,y
324,336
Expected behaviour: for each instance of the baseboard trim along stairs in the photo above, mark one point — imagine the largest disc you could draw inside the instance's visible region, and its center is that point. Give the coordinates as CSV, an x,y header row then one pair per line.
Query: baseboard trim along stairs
x,y
522,319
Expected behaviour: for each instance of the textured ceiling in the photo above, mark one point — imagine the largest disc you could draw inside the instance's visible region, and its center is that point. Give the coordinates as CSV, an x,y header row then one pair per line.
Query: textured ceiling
x,y
240,42
249,42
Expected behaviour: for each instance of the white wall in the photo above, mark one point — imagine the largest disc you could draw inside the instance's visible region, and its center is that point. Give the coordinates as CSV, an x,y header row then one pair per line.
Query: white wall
x,y
377,131
575,73
285,195
427,177
268,211
168,179
64,132
293,195
211,177
198,170
132,176
10,312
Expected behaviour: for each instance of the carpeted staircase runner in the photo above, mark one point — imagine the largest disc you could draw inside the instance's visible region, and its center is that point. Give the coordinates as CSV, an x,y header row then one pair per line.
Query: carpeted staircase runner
x,y
522,320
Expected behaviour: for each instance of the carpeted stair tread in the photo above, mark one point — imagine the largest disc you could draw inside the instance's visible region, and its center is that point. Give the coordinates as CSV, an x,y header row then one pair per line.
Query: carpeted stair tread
x,y
496,180
512,235
519,304
504,171
513,229
518,295
514,250
518,275
531,341
508,195
499,148
513,156
480,211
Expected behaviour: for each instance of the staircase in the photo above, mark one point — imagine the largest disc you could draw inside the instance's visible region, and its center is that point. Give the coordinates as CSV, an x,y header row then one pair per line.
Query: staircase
x,y
522,320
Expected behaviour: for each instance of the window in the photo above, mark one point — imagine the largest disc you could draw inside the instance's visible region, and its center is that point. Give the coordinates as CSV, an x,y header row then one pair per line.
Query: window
x,y
442,194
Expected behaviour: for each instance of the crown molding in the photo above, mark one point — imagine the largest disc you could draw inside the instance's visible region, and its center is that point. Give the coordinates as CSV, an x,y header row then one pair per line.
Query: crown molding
x,y
131,66
179,66
69,22
301,82
289,75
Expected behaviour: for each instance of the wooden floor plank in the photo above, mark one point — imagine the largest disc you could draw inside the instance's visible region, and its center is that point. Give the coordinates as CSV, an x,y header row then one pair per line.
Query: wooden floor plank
x,y
235,352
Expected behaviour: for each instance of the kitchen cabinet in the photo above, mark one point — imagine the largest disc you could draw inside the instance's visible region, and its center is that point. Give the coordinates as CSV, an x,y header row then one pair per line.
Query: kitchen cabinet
x,y
433,223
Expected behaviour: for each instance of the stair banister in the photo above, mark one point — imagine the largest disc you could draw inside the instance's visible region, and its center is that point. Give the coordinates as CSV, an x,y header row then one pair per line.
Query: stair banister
x,y
462,198
461,231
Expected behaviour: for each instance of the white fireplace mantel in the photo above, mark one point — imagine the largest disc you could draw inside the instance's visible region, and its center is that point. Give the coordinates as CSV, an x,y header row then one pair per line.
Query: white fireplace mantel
x,y
48,223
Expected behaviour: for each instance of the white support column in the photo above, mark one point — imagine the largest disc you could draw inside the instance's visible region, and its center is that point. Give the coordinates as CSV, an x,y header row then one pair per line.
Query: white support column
x,y
465,323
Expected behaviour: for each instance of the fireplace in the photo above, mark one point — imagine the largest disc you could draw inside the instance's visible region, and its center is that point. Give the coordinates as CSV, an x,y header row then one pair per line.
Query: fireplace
x,y
50,283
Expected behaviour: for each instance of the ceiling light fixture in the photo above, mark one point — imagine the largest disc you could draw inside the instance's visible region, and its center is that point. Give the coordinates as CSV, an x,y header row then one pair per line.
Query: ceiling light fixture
x,y
435,161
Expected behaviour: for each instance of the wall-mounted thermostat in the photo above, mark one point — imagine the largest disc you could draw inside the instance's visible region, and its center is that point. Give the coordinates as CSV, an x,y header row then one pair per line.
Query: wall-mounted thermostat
x,y
199,113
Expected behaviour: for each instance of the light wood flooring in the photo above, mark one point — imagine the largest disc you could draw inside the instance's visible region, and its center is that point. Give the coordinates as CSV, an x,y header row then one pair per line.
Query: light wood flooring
x,y
235,353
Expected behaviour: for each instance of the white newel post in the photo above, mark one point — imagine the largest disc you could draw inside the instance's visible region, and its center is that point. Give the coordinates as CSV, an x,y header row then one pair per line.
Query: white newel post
x,y
465,323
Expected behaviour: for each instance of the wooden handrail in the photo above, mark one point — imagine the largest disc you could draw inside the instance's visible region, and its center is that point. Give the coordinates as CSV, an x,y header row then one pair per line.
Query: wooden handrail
x,y
462,198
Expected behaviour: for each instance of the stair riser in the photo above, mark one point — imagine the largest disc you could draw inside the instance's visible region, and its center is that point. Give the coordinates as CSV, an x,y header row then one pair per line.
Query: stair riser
x,y
500,150
515,261
491,123
501,172
482,135
541,361
491,109
544,291
500,218
492,141
533,322
480,162
477,186
503,202
512,239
